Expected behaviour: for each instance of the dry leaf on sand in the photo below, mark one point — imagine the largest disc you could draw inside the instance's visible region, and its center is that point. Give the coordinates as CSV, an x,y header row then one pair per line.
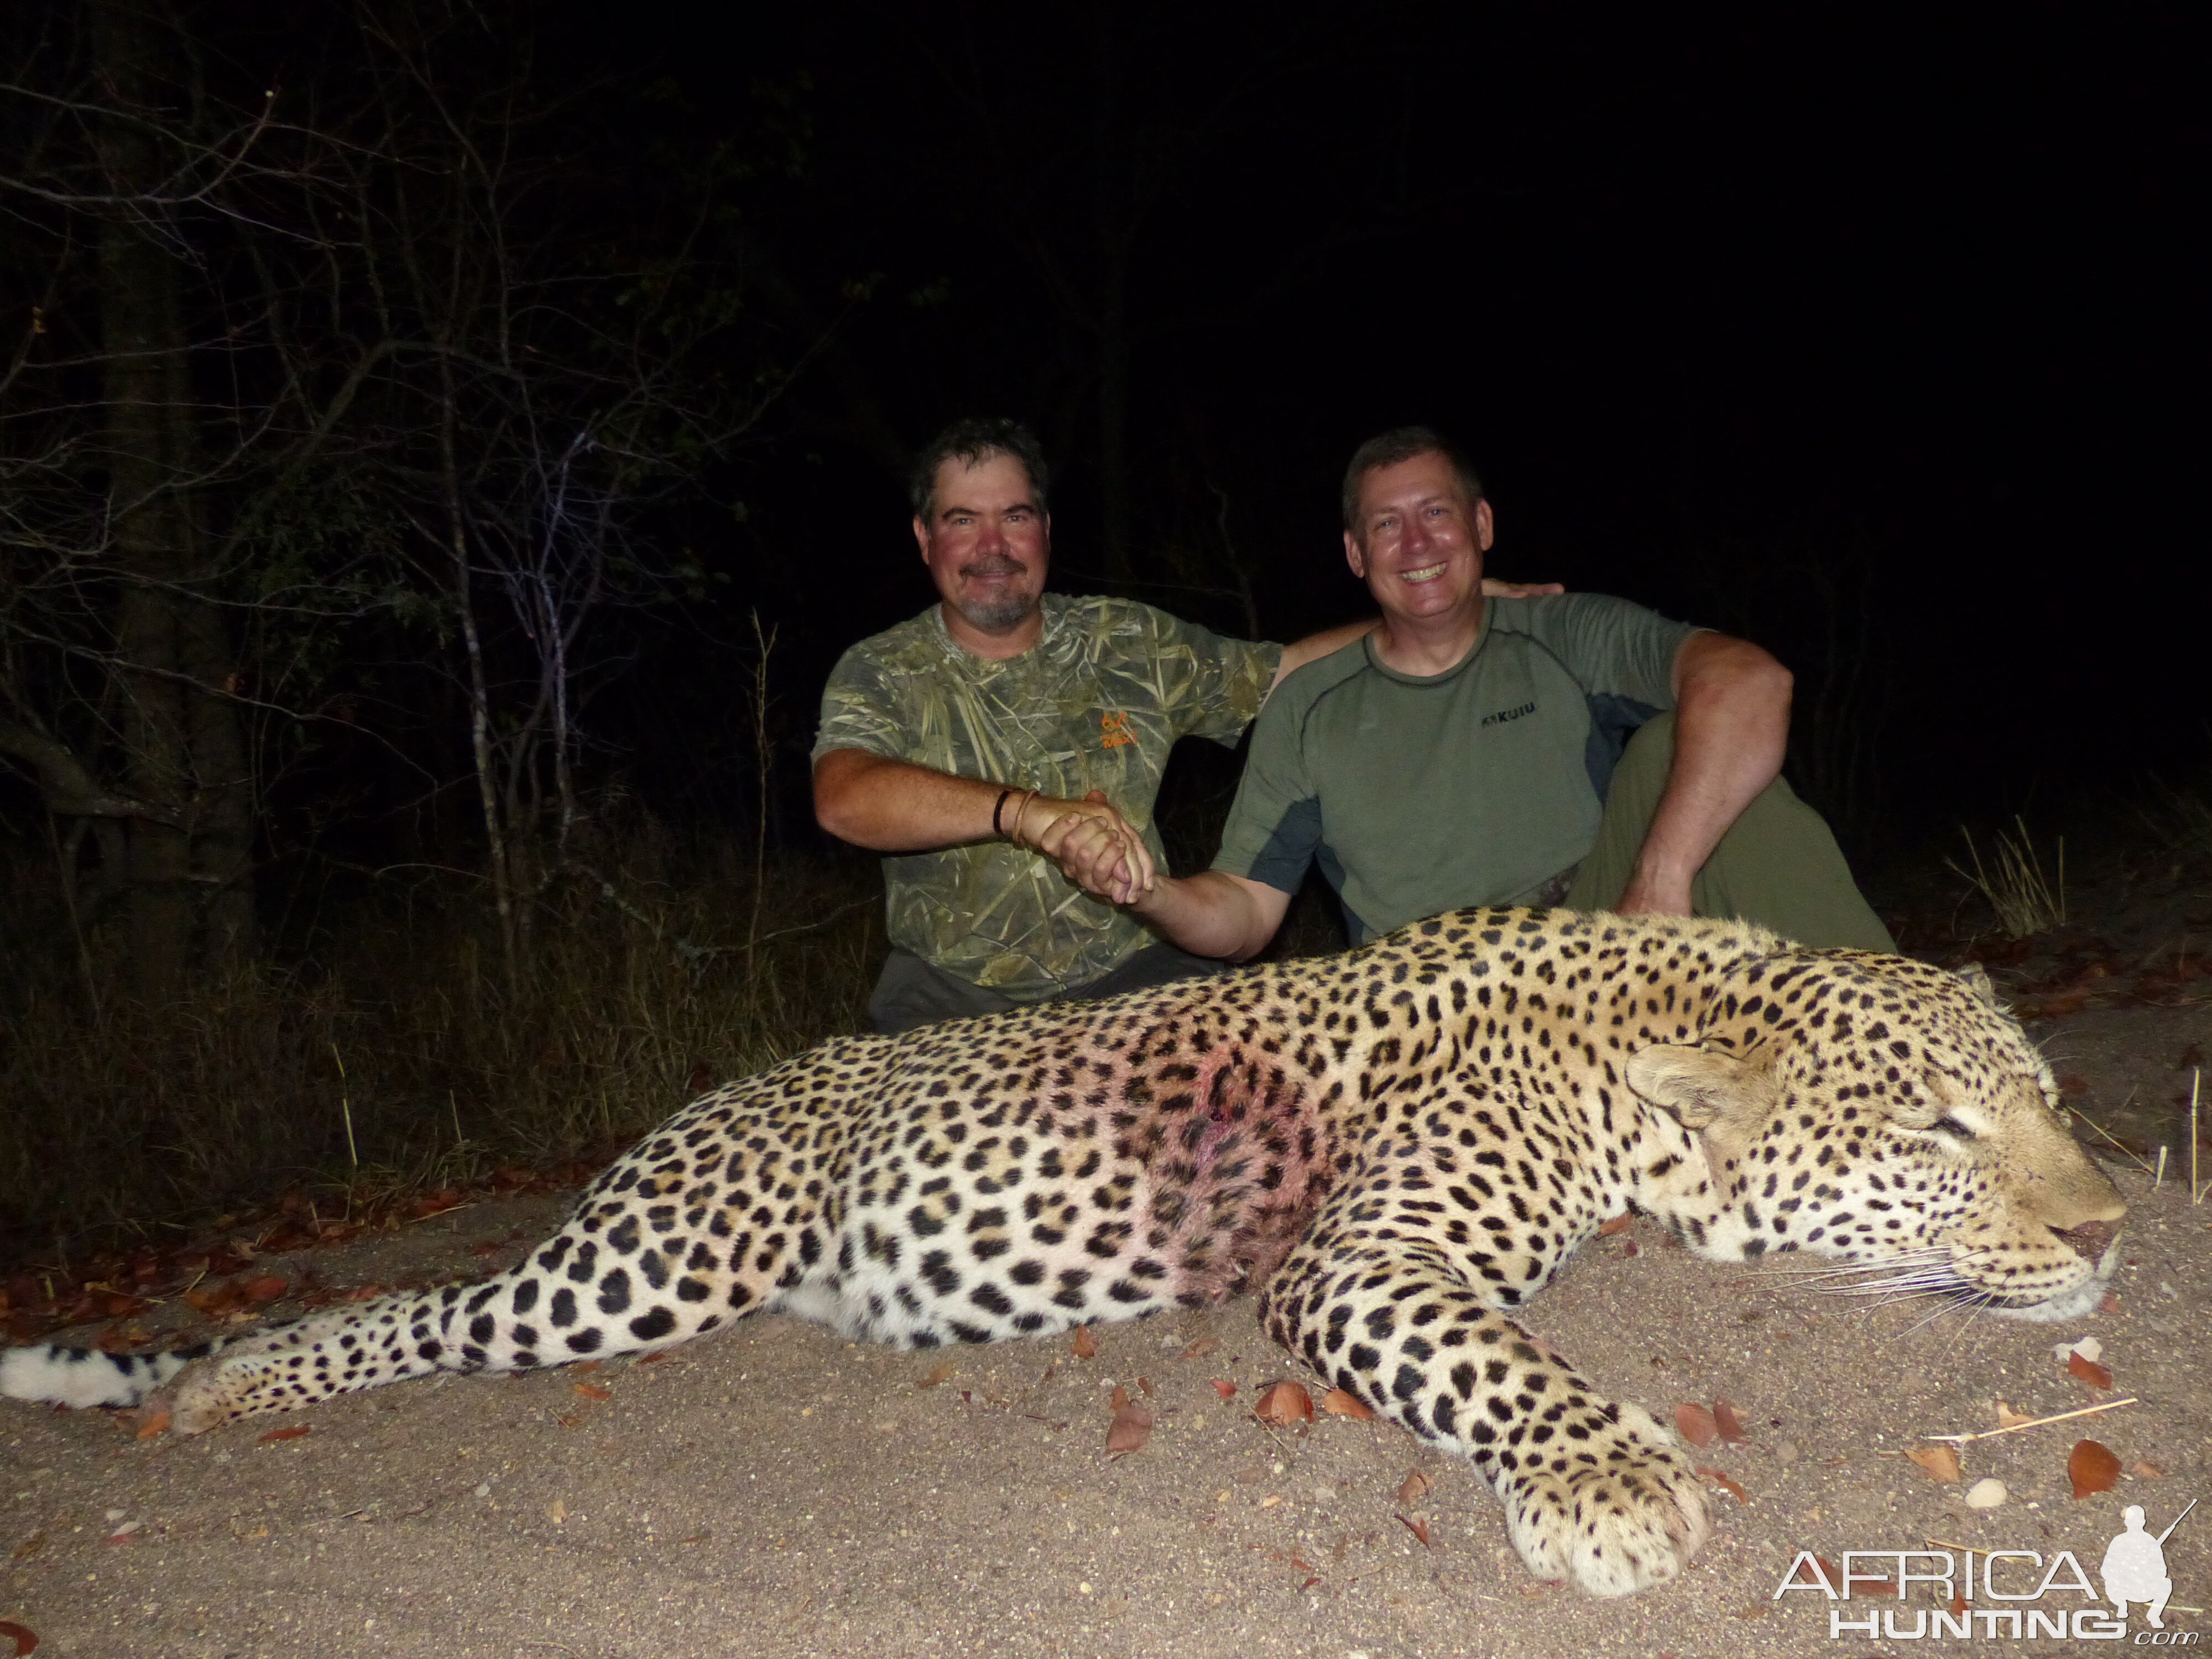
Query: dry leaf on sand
x,y
294,1432
1419,1528
1939,1462
1726,1421
1413,1487
1721,1481
1132,1426
1615,1224
2010,1419
1284,1404
1224,1387
594,1391
25,1638
216,1301
1082,1344
2091,1468
1696,1424
2088,1371
1338,1403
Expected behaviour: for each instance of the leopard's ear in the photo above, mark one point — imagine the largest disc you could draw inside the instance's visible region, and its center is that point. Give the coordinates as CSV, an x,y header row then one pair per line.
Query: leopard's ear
x,y
1976,978
1698,1086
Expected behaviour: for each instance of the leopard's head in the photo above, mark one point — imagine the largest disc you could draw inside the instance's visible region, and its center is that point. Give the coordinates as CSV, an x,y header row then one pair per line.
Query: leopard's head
x,y
1888,1112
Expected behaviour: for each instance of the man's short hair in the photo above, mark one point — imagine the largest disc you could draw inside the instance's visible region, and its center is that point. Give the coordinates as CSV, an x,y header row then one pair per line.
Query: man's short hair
x,y
1402,444
971,442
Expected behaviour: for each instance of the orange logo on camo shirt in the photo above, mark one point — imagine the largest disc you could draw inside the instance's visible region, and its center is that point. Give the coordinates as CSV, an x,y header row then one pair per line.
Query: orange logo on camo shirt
x,y
1115,726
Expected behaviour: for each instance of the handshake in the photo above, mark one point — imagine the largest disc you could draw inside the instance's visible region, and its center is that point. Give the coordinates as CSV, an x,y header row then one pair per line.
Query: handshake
x,y
1095,846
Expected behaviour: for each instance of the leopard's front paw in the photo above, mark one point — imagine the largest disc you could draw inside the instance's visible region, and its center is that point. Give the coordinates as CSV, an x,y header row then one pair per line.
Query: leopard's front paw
x,y
1617,1512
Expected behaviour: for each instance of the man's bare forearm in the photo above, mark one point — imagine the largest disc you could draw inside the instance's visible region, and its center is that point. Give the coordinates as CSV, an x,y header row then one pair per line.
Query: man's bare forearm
x,y
894,806
1212,914
1731,731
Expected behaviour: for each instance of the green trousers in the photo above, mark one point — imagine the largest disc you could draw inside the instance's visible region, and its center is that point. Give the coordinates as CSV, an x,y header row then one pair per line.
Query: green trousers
x,y
1777,866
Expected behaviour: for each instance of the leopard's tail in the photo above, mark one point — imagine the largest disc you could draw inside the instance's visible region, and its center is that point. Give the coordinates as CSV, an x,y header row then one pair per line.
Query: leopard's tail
x,y
49,1374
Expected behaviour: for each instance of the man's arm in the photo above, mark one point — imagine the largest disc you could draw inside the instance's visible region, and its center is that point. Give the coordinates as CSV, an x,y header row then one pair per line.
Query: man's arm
x,y
1212,913
1299,652
896,806
1731,729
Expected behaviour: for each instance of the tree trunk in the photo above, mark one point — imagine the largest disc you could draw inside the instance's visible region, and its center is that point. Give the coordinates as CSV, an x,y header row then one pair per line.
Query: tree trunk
x,y
1115,217
186,756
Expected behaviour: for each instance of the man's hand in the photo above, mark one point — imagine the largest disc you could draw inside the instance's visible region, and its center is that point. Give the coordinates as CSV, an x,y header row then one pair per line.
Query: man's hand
x,y
1654,896
1494,589
1208,914
1096,847
1731,727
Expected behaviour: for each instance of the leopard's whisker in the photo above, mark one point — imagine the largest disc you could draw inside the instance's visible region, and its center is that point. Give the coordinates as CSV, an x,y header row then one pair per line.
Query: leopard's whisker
x,y
1969,1300
1933,1277
1912,1295
1889,1264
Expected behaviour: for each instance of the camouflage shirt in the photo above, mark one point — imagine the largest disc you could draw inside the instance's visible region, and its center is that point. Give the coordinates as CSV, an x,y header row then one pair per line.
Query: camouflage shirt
x,y
1096,704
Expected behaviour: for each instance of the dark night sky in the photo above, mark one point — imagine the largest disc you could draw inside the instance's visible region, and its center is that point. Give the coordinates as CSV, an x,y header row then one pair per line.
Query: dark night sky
x,y
1906,307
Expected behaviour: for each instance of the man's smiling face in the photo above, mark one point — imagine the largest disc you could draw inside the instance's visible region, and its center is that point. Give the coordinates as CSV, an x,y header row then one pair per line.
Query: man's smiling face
x,y
1418,540
987,542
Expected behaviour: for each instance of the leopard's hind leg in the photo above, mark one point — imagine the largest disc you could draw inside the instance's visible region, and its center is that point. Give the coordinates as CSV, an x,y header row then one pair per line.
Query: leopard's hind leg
x,y
1386,1298
724,1210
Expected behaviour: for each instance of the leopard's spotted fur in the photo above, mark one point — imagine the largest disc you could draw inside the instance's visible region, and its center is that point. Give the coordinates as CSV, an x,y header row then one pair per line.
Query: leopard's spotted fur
x,y
1397,1146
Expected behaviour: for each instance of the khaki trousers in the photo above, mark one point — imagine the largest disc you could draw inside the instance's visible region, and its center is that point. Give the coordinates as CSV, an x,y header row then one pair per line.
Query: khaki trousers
x,y
1777,866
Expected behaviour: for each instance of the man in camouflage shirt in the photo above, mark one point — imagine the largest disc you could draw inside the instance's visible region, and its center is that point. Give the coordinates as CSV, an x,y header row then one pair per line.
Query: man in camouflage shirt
x,y
966,743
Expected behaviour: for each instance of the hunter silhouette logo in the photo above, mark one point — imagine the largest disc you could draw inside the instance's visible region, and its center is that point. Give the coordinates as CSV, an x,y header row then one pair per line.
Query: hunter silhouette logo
x,y
2135,1566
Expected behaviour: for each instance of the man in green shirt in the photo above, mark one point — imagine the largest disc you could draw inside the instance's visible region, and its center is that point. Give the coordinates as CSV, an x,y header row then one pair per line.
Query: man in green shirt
x,y
1468,752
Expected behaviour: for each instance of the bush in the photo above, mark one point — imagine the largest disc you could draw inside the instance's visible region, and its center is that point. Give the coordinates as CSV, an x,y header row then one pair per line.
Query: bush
x,y
397,1054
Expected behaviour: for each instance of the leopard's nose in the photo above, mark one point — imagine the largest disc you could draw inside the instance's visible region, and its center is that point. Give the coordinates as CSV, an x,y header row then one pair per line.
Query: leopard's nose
x,y
2090,1240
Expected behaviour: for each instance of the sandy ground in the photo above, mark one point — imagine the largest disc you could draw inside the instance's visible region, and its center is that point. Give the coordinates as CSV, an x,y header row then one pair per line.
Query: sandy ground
x,y
776,1491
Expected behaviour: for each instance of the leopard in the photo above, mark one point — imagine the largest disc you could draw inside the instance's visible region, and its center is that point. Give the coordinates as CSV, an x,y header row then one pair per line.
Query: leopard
x,y
1395,1148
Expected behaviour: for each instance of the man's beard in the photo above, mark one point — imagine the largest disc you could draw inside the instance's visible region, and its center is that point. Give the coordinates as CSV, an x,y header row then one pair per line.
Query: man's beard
x,y
1006,610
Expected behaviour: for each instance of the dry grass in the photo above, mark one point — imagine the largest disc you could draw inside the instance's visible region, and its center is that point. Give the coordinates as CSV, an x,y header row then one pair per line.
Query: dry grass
x,y
2013,883
401,1057
393,1057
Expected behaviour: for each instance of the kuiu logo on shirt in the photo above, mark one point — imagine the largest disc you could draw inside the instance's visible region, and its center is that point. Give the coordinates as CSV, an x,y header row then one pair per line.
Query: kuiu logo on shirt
x,y
1505,714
